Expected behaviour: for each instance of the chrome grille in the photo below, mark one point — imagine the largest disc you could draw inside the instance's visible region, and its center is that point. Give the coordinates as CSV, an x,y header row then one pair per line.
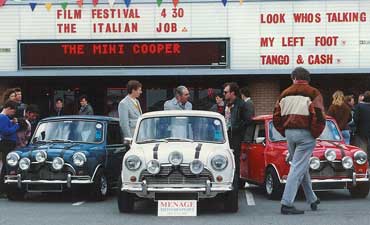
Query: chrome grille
x,y
330,170
180,175
45,172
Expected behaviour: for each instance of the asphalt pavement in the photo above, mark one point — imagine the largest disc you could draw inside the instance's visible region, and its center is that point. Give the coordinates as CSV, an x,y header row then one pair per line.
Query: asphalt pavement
x,y
337,208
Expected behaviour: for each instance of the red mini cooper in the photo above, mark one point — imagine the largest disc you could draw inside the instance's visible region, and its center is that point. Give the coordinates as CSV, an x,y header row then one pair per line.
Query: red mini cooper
x,y
264,161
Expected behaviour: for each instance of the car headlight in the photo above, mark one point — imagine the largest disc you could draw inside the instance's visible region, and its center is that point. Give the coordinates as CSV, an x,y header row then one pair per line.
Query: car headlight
x,y
12,159
330,155
153,167
79,158
41,156
196,166
24,163
175,158
133,162
347,162
219,162
360,157
314,163
58,163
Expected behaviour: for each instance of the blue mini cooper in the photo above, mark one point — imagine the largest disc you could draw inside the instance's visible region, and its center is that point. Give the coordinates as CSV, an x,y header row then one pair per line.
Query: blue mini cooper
x,y
67,152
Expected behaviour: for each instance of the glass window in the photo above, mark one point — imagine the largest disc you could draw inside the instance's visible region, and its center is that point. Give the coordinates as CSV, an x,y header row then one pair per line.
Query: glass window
x,y
203,129
330,133
114,134
70,131
155,99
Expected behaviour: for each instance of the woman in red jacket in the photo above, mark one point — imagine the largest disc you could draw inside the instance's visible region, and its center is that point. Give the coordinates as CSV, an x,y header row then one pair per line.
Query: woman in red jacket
x,y
341,113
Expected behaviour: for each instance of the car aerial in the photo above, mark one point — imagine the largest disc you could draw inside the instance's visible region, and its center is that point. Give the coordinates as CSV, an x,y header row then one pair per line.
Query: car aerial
x,y
179,155
265,161
68,153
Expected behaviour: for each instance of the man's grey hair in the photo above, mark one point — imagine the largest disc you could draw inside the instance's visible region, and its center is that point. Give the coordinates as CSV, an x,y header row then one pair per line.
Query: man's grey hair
x,y
179,91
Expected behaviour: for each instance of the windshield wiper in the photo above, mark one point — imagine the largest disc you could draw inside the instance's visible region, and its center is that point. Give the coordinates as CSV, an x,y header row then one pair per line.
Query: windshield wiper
x,y
178,139
151,141
61,140
42,141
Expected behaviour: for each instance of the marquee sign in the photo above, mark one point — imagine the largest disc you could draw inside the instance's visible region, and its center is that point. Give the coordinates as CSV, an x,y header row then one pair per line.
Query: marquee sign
x,y
115,53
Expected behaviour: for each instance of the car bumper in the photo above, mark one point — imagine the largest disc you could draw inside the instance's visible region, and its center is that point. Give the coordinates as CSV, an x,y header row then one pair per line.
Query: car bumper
x,y
144,190
17,179
338,183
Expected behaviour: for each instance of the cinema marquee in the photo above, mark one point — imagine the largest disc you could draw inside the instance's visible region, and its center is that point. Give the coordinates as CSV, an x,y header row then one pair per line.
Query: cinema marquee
x,y
208,53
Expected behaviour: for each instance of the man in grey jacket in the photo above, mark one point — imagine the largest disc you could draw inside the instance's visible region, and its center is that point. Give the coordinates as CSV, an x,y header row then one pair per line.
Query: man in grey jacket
x,y
129,108
180,101
86,108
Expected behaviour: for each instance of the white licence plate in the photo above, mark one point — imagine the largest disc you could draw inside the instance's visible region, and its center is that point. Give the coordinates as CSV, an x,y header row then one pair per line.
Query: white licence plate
x,y
177,208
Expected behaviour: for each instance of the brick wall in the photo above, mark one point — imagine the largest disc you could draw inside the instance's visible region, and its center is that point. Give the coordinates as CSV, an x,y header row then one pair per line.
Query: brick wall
x,y
264,94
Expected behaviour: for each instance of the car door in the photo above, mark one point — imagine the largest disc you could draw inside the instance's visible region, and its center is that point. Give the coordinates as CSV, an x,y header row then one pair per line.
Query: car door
x,y
255,154
115,150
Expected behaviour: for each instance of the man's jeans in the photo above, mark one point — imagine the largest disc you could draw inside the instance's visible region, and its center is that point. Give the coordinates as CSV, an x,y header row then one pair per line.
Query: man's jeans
x,y
300,146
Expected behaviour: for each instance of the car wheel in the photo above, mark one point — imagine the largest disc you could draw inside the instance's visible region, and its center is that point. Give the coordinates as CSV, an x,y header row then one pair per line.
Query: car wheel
x,y
125,200
361,190
273,187
231,203
99,189
241,183
15,195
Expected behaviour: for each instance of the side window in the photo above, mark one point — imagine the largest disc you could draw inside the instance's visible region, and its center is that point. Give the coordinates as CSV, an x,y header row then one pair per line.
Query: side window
x,y
114,136
259,131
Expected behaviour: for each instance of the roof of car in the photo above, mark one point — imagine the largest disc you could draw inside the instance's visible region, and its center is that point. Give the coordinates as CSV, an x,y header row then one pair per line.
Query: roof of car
x,y
269,117
82,117
182,113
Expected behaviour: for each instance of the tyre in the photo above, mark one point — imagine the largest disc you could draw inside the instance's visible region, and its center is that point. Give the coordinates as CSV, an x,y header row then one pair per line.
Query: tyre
x,y
15,194
231,202
361,190
273,187
241,183
99,189
125,200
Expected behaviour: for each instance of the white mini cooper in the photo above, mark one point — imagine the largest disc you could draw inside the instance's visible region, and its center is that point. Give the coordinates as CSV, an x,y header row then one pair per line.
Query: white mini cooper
x,y
179,155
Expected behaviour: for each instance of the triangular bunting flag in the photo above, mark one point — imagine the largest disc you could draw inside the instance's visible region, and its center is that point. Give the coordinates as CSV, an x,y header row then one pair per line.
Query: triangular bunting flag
x,y
80,3
64,5
48,6
241,2
33,5
175,2
159,2
95,2
127,3
2,3
224,2
111,3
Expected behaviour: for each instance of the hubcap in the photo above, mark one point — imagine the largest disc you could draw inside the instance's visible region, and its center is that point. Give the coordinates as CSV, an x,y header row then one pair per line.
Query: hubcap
x,y
103,185
269,184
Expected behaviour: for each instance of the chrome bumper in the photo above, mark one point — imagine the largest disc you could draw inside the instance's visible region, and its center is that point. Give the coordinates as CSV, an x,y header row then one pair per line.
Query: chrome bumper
x,y
17,179
353,181
144,189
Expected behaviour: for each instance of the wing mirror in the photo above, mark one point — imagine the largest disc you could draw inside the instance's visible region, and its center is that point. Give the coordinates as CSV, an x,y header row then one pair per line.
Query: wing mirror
x,y
261,140
127,141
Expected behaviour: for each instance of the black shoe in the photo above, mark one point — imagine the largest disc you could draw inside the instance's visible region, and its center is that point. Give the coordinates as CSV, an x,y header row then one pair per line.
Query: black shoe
x,y
315,204
286,210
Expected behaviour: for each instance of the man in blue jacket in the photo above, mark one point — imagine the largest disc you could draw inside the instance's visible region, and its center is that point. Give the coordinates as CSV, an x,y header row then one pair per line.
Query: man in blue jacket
x,y
8,129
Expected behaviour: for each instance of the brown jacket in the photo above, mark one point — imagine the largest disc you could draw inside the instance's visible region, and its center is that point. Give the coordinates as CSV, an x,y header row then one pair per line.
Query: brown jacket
x,y
342,114
300,107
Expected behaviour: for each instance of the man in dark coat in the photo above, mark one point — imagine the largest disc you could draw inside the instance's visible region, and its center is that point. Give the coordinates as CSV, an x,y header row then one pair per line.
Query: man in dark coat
x,y
237,118
362,121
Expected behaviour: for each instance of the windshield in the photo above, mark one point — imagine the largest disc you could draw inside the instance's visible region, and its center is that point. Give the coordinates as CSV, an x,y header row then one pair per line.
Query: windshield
x,y
330,133
69,131
181,128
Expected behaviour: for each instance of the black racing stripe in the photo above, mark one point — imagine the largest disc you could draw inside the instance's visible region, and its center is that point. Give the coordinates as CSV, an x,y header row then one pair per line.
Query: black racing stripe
x,y
341,149
197,151
155,151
